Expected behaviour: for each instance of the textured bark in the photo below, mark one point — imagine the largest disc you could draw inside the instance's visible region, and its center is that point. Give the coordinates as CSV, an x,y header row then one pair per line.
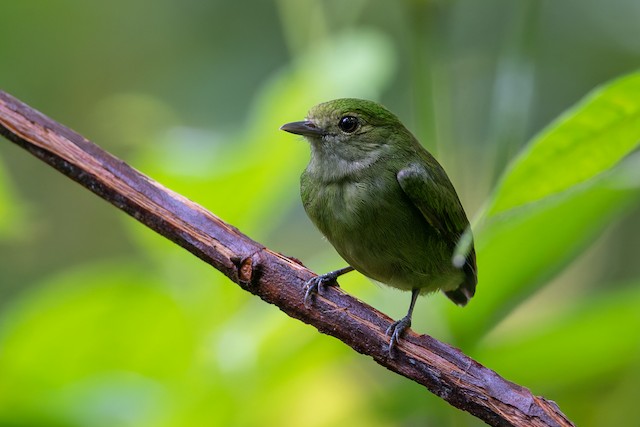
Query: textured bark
x,y
442,369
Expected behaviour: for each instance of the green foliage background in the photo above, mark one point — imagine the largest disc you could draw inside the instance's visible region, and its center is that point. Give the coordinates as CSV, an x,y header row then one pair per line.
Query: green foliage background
x,y
103,323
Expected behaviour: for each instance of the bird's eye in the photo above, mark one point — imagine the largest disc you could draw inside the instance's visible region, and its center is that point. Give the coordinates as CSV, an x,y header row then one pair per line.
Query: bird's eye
x,y
348,124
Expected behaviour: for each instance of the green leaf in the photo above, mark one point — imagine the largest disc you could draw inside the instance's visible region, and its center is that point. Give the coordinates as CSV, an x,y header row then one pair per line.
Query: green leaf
x,y
13,215
553,202
587,140
254,174
67,346
579,346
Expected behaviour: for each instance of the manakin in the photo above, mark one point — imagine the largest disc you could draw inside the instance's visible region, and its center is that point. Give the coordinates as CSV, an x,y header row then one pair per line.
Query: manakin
x,y
384,203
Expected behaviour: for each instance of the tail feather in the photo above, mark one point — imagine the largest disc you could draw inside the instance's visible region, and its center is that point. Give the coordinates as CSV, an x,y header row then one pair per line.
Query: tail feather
x,y
467,288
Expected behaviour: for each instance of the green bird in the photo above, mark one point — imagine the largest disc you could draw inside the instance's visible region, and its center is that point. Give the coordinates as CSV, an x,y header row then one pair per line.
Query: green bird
x,y
384,203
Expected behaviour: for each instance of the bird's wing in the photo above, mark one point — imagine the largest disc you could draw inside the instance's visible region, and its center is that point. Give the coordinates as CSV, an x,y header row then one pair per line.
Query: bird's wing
x,y
436,199
434,196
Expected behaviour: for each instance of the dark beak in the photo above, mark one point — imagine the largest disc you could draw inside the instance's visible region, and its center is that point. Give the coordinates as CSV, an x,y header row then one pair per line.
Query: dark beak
x,y
305,128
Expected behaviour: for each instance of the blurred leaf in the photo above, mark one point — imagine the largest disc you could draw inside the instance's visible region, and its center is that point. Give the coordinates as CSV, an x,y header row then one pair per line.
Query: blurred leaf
x,y
251,178
253,169
12,212
588,139
114,345
535,225
623,394
596,339
65,347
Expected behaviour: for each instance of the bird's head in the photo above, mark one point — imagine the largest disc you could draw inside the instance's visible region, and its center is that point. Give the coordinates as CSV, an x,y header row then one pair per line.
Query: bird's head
x,y
349,129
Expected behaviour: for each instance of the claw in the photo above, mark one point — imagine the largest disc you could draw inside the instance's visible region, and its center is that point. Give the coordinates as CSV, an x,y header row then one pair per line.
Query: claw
x,y
395,331
397,328
312,287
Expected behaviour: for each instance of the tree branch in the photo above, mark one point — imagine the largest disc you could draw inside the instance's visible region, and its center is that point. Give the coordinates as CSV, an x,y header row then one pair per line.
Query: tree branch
x,y
444,370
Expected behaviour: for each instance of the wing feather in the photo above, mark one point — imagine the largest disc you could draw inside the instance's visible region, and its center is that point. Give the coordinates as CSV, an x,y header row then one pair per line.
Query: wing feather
x,y
433,195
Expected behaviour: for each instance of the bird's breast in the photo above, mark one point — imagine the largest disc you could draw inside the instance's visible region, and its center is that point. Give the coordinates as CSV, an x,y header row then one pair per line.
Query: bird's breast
x,y
377,230
343,207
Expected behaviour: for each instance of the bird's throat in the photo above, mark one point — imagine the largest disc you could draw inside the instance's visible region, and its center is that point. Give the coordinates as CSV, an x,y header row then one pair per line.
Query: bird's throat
x,y
330,166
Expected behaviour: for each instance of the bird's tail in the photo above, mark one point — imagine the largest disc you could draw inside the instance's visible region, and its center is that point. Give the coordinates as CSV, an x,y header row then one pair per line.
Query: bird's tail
x,y
467,289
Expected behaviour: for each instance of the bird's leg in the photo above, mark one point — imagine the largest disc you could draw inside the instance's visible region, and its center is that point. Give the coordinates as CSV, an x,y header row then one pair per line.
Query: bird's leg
x,y
397,328
328,279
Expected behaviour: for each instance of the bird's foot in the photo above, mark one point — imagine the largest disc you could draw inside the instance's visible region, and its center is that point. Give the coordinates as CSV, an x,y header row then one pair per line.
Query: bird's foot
x,y
395,331
312,287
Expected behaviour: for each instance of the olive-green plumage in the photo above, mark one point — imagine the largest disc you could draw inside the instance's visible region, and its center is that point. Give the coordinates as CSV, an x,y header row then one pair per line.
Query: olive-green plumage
x,y
383,201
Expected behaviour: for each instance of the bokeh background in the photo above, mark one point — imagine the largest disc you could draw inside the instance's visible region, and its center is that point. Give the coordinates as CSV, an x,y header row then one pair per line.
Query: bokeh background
x,y
103,323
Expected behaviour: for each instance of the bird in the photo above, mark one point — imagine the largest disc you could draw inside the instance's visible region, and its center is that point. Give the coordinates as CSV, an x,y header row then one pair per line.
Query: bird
x,y
384,203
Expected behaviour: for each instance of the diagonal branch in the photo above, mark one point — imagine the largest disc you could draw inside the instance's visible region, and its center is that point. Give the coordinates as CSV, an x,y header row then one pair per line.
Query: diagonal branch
x,y
444,370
